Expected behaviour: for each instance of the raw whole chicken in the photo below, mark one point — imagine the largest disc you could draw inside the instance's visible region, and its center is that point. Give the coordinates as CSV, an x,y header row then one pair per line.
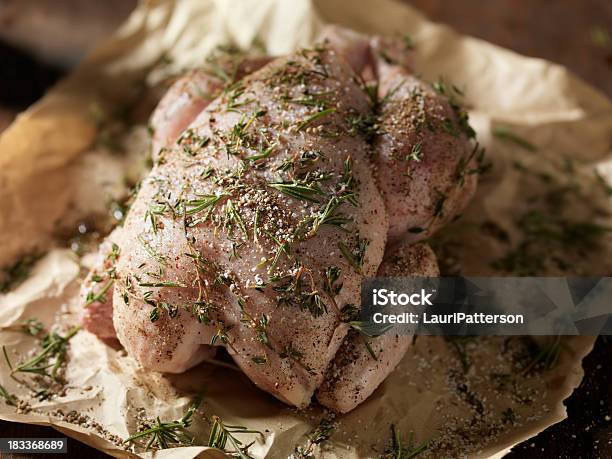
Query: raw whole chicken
x,y
273,195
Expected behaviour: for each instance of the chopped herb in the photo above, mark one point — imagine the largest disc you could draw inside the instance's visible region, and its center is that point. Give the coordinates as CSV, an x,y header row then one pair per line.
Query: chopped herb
x,y
318,435
332,274
207,173
262,334
364,124
221,334
295,190
460,343
416,153
99,297
232,217
161,284
290,352
191,142
328,216
158,307
315,117
161,259
201,311
355,257
283,248
265,153
259,359
203,202
33,327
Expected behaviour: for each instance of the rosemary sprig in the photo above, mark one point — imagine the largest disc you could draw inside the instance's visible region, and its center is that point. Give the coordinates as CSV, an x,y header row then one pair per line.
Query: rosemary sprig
x,y
295,190
54,347
315,117
161,259
221,434
162,284
8,398
153,212
282,248
327,216
265,153
233,217
100,296
356,257
399,451
32,326
203,202
318,435
162,435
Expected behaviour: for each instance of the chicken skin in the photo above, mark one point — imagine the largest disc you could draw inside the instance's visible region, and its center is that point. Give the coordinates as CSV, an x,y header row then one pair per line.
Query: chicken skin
x,y
191,93
240,224
425,163
270,200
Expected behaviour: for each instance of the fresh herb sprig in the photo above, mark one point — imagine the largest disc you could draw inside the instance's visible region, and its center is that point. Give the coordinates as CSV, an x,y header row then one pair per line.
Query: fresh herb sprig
x,y
303,191
401,451
221,434
354,257
318,435
52,355
310,119
100,296
8,398
163,435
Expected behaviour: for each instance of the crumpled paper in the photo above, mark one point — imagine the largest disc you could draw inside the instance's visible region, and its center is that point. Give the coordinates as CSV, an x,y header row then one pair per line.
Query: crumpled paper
x,y
464,399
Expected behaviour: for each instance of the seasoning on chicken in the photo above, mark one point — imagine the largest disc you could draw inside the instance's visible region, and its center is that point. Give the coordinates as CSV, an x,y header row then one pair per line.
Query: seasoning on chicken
x,y
362,363
262,215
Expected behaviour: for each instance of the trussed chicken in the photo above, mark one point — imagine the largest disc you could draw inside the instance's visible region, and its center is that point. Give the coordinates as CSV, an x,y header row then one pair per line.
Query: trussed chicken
x,y
262,216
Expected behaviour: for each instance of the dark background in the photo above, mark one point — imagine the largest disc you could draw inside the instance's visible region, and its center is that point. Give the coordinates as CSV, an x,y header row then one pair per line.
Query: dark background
x,y
41,39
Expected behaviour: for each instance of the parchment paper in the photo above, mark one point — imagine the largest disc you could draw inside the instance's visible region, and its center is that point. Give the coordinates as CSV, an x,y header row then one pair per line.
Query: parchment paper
x,y
54,173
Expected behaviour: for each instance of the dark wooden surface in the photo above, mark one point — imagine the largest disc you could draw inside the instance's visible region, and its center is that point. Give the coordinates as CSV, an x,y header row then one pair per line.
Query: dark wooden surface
x,y
565,31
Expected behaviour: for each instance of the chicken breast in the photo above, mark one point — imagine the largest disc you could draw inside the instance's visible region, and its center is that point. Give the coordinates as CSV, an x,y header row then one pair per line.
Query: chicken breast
x,y
185,99
255,230
425,163
192,92
362,362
